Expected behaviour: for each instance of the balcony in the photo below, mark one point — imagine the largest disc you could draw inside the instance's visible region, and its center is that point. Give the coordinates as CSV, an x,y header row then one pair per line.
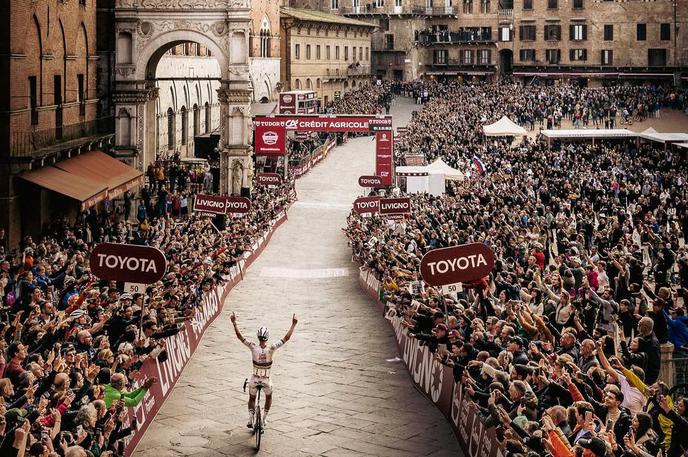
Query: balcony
x,y
41,142
463,36
370,10
506,13
437,11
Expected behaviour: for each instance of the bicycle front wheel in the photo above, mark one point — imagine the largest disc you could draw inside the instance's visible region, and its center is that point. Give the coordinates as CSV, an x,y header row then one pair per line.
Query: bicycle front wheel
x,y
258,428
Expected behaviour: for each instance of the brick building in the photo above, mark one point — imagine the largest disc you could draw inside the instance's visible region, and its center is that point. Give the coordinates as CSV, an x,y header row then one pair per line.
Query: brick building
x,y
264,53
48,104
547,38
327,53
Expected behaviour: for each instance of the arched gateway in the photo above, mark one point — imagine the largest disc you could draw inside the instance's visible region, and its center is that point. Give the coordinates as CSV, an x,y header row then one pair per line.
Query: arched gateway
x,y
147,29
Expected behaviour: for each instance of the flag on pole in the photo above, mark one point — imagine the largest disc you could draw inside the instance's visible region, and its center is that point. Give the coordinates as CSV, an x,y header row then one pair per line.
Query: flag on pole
x,y
479,165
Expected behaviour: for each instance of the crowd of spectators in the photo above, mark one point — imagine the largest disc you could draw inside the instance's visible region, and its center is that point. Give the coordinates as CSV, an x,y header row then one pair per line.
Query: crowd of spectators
x,y
560,345
72,346
373,98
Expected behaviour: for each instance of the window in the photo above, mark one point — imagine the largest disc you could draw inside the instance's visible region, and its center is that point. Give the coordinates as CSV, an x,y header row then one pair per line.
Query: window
x,y
389,42
366,53
317,52
379,3
80,95
360,53
504,34
552,4
577,4
384,24
398,3
484,57
641,32
657,57
346,53
308,52
607,57
208,117
336,53
553,56
297,51
467,6
185,125
467,56
440,57
578,55
578,32
553,32
196,120
334,4
608,32
327,52
527,55
527,4
33,99
265,43
484,6
665,31
170,129
527,32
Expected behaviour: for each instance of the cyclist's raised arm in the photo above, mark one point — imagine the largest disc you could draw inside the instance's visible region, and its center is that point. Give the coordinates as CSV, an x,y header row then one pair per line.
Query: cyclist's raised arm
x,y
236,328
294,321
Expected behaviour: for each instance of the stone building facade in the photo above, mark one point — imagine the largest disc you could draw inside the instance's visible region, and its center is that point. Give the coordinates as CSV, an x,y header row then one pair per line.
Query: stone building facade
x,y
555,38
187,78
327,53
48,100
264,48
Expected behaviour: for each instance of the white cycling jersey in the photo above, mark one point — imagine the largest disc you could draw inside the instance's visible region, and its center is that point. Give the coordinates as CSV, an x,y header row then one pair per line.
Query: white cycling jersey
x,y
262,357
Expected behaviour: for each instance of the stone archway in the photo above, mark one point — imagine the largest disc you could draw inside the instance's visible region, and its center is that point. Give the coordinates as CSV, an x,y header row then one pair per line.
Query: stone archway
x,y
146,30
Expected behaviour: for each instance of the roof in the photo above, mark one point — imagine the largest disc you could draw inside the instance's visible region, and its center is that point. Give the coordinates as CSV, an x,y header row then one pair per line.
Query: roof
x,y
589,133
319,16
504,127
665,137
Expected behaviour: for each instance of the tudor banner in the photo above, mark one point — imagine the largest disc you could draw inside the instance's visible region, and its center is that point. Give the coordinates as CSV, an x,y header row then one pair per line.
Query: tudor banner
x,y
384,165
270,140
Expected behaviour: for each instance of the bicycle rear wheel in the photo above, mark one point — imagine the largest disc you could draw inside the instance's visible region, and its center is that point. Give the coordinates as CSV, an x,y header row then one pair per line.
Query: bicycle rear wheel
x,y
258,428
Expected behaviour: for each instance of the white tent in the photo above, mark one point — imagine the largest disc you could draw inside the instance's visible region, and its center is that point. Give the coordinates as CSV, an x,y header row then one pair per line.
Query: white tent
x,y
649,131
504,127
439,166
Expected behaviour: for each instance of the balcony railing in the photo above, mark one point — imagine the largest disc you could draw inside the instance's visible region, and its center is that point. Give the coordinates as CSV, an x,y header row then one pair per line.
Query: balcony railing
x,y
462,36
28,143
506,13
437,11
477,63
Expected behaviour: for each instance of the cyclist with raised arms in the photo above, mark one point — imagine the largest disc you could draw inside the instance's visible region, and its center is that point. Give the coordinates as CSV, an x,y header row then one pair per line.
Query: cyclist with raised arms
x,y
262,362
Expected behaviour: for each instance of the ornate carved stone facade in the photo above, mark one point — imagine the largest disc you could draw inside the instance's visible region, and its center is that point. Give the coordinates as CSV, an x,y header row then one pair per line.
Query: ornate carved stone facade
x,y
145,30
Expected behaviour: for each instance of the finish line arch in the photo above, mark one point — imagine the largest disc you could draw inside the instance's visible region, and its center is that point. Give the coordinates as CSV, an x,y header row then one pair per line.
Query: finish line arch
x,y
270,134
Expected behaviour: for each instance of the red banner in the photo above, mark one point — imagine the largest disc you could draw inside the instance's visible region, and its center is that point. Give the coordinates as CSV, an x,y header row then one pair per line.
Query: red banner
x,y
395,205
181,346
270,140
338,123
367,205
384,163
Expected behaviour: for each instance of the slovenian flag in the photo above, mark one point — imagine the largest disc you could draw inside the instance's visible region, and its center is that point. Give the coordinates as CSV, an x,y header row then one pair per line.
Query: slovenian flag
x,y
479,165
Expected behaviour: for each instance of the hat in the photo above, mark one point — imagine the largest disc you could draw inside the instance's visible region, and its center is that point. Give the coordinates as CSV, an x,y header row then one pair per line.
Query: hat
x,y
441,326
126,297
596,445
77,313
12,416
516,339
575,259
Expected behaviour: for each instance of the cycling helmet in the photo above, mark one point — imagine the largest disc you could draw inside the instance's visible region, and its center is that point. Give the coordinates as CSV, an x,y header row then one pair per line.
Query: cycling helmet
x,y
263,333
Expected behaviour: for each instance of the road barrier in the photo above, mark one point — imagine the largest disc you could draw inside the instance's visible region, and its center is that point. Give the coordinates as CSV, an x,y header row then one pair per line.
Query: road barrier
x,y
436,382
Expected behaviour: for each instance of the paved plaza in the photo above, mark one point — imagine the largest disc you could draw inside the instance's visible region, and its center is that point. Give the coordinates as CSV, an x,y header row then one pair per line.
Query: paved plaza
x,y
336,392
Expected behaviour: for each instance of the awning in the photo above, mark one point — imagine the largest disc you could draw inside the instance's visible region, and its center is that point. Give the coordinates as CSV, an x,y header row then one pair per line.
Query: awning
x,y
681,145
100,167
86,191
665,137
588,133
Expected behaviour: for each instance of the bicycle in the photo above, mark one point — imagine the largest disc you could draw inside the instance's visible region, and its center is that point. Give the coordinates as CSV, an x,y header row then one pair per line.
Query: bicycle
x,y
257,419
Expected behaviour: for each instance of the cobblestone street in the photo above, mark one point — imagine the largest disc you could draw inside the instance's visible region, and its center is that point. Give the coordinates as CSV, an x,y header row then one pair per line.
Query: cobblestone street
x,y
336,393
